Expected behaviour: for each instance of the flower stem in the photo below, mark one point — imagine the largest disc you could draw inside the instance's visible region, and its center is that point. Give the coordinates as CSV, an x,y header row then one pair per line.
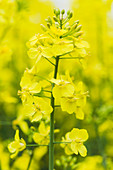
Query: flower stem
x,y
31,156
51,145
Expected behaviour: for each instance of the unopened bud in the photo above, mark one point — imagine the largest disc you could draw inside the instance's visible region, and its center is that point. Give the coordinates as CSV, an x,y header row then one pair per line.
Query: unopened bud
x,y
70,15
74,26
79,28
78,34
48,25
56,12
43,27
50,20
63,12
68,12
55,19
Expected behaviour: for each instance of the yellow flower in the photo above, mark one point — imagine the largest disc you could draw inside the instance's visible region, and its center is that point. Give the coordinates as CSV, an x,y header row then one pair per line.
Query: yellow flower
x,y
16,146
75,103
76,138
42,136
62,88
38,109
29,87
29,84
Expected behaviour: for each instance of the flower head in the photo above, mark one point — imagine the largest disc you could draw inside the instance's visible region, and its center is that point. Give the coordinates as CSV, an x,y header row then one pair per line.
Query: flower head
x,y
76,138
17,145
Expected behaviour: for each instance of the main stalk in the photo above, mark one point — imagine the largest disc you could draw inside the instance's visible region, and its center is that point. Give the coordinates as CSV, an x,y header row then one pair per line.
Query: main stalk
x,y
51,145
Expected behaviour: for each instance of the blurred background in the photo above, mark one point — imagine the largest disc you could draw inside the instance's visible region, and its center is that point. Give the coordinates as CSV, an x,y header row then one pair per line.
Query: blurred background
x,y
19,21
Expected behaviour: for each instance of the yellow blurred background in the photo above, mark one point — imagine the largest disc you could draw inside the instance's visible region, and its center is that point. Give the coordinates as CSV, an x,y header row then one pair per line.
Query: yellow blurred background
x,y
19,21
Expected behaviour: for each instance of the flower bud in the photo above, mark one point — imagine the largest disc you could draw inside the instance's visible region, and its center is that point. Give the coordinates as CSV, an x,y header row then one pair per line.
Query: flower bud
x,y
63,12
55,19
79,28
48,25
70,15
78,34
50,20
68,12
56,12
43,27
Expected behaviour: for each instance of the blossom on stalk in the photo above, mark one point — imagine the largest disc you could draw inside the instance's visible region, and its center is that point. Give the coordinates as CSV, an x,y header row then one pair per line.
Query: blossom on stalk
x,y
38,109
75,102
42,136
17,145
75,140
62,88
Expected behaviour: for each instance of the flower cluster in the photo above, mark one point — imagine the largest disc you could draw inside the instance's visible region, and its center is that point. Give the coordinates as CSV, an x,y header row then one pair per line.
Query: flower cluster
x,y
40,94
75,140
17,145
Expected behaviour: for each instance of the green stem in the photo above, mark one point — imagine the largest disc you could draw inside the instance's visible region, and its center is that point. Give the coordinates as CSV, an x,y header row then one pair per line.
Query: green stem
x,y
61,142
51,145
50,61
31,156
33,145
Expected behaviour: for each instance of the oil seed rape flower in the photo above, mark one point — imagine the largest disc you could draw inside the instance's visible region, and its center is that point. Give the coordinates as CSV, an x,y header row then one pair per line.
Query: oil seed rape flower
x,y
16,146
29,87
76,138
38,109
62,88
42,136
75,103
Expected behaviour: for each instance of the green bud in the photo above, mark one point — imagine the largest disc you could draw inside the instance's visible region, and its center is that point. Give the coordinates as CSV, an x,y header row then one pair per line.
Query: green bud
x,y
70,15
68,12
50,20
78,34
79,28
63,12
48,25
55,19
74,26
43,27
77,21
56,12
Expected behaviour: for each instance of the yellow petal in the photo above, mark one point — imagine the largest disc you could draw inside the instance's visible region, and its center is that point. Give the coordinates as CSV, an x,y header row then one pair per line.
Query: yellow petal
x,y
33,53
42,129
29,109
68,150
17,135
74,134
74,147
35,87
14,155
12,147
67,105
82,150
83,134
79,113
36,117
